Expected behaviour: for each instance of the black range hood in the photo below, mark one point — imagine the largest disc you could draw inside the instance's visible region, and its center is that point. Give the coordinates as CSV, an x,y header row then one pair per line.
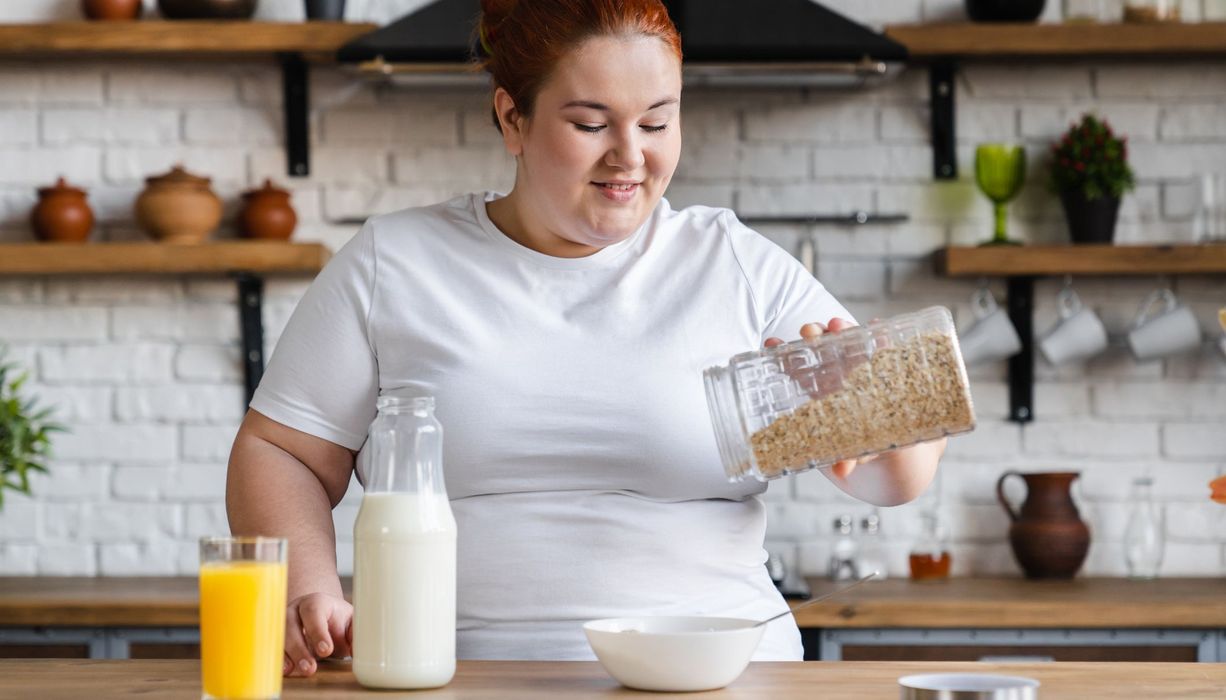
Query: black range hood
x,y
750,42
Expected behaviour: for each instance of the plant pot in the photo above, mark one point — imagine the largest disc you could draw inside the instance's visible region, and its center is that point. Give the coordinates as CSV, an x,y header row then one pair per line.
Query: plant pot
x,y
111,9
1004,10
178,207
207,9
267,214
1090,220
62,215
332,10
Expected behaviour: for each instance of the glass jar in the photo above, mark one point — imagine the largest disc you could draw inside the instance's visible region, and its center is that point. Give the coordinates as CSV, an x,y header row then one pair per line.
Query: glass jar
x,y
872,549
842,564
810,403
1091,11
1150,11
1144,537
930,559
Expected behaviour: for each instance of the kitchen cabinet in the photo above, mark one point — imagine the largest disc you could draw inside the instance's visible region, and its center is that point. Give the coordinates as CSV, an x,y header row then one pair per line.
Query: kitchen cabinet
x,y
580,680
961,618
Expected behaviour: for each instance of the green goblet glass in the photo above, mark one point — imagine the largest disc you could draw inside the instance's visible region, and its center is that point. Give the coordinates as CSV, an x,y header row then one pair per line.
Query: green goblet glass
x,y
1000,170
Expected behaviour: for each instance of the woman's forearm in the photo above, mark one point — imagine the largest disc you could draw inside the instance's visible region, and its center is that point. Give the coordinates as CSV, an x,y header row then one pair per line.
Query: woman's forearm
x,y
894,477
270,492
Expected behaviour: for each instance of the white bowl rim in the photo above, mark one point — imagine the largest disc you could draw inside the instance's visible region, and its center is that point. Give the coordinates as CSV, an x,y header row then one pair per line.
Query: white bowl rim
x,y
744,624
950,681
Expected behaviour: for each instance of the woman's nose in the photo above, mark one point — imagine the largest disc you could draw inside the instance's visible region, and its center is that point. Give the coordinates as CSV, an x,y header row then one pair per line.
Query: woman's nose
x,y
626,153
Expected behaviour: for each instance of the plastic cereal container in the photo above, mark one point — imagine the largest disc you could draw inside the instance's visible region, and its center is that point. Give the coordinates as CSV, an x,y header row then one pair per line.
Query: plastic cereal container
x,y
810,403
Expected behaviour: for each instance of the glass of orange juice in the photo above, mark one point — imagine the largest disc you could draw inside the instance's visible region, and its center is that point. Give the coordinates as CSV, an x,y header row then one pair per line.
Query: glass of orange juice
x,y
242,616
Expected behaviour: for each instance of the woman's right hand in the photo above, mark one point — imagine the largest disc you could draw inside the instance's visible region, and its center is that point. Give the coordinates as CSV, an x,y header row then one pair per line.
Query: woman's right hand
x,y
317,625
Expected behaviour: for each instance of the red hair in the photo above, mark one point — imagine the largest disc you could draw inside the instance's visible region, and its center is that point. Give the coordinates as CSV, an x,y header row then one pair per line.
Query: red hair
x,y
523,40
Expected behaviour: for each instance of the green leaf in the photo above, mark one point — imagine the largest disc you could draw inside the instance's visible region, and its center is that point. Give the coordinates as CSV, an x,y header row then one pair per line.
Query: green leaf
x,y
25,430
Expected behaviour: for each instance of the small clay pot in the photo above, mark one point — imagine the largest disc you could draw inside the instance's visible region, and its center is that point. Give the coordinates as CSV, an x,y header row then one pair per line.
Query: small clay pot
x,y
111,9
267,214
62,214
178,207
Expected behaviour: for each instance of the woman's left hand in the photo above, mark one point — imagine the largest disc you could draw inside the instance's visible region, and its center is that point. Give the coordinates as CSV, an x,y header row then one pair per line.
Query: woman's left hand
x,y
844,467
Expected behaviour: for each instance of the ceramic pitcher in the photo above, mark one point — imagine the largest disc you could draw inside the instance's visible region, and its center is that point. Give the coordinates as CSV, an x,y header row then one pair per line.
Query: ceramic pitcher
x,y
1049,538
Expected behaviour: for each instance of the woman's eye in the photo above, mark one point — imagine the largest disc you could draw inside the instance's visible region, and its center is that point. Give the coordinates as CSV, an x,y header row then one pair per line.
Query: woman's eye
x,y
654,129
589,128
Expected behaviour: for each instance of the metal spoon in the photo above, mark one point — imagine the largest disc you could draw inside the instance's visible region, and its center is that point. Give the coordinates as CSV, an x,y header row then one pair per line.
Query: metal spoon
x,y
816,600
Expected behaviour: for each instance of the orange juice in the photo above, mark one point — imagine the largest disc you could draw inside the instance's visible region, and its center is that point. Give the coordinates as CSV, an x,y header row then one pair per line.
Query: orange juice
x,y
242,628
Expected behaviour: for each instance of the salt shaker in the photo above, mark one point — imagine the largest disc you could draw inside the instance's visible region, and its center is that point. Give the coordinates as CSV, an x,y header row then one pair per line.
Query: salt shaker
x,y
872,549
842,565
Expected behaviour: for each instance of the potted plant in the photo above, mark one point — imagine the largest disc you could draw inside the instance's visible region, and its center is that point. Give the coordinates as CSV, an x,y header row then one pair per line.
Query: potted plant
x,y
1090,173
25,431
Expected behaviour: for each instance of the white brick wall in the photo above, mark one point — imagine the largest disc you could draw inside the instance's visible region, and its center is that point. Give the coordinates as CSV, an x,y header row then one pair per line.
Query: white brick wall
x,y
146,372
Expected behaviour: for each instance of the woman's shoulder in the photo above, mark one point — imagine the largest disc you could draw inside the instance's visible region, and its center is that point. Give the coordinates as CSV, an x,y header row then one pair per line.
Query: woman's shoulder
x,y
443,217
720,226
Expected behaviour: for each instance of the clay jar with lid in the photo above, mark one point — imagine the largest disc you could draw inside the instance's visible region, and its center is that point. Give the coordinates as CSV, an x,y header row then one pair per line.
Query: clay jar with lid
x,y
267,214
62,214
178,207
111,9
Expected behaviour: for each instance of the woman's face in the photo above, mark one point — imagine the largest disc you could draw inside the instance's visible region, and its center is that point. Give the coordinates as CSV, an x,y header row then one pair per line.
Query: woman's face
x,y
601,145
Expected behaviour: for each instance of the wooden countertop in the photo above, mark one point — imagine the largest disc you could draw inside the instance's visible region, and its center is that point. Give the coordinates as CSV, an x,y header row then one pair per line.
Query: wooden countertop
x,y
576,680
961,602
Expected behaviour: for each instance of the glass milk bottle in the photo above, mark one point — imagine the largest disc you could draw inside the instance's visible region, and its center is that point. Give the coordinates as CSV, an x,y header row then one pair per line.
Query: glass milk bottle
x,y
404,573
1143,536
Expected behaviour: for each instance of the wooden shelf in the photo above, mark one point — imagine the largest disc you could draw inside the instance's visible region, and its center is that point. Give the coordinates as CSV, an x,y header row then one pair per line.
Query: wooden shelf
x,y
1097,260
250,257
968,39
182,37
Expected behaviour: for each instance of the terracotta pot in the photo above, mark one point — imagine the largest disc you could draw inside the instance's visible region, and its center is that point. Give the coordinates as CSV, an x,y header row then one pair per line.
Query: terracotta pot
x,y
1049,538
111,9
62,214
267,214
178,207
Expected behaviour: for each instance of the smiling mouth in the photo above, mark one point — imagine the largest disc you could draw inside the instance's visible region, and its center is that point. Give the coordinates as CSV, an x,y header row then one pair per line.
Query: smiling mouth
x,y
618,186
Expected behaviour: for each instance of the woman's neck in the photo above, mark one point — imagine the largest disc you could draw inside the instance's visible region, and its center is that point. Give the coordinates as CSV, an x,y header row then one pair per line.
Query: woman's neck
x,y
510,215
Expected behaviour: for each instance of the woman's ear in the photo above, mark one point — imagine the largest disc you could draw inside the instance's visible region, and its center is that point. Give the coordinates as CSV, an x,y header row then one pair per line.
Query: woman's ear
x,y
510,121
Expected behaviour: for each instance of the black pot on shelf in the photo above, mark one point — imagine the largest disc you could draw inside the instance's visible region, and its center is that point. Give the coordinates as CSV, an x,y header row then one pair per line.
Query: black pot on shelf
x,y
1090,220
1004,10
333,10
207,9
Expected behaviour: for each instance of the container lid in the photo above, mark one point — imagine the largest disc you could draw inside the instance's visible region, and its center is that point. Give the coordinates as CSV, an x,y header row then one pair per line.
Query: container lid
x,y
60,187
268,188
968,686
178,176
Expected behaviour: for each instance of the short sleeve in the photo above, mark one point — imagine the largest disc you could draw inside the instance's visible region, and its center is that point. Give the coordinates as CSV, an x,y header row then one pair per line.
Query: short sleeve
x,y
323,376
786,294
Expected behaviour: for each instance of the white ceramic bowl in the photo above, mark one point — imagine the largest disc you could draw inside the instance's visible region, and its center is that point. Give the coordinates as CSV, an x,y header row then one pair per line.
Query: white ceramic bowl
x,y
674,653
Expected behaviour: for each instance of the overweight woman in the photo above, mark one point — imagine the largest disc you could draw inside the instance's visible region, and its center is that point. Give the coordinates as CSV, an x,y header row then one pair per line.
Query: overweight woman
x,y
563,328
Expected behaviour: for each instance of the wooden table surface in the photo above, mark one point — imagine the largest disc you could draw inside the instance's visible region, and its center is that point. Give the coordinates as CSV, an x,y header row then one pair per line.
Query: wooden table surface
x,y
577,680
962,602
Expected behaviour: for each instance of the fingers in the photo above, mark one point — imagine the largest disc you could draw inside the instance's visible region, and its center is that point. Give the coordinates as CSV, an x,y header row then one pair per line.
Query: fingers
x,y
315,611
812,330
844,468
296,646
838,324
339,629
772,342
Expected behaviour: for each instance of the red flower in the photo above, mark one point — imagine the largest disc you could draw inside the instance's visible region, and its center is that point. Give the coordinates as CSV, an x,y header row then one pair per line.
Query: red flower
x,y
1079,167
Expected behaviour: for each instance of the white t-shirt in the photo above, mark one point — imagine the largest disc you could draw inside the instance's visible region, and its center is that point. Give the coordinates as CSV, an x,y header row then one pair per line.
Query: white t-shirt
x,y
578,451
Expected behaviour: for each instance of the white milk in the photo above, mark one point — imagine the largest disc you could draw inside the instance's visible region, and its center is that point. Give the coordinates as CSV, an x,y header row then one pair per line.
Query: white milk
x,y
404,588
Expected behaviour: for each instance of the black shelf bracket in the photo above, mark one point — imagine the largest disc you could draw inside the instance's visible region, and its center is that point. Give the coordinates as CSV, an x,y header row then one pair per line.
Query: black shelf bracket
x,y
294,79
1020,303
251,322
942,88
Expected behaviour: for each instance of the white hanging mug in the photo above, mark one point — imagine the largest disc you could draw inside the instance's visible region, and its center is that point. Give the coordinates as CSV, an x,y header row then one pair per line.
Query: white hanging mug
x,y
1170,332
1077,336
992,335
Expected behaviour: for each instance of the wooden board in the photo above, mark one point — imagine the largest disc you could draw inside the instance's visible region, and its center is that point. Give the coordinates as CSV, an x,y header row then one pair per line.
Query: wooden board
x,y
145,37
967,39
579,680
1004,261
161,258
1094,603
